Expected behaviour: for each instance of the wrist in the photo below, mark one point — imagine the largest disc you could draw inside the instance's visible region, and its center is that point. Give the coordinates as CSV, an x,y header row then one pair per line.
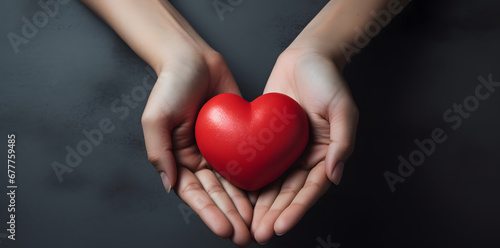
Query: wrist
x,y
178,50
335,32
154,29
309,43
175,42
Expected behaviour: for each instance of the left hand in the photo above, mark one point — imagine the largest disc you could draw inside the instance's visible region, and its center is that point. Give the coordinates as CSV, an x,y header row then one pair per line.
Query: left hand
x,y
316,83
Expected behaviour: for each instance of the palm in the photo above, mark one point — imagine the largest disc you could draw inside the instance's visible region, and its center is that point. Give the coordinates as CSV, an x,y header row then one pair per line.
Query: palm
x,y
168,122
184,116
316,84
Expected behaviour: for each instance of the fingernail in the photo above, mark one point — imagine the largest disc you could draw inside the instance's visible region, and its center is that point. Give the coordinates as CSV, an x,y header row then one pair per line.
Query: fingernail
x,y
280,234
166,182
261,243
337,172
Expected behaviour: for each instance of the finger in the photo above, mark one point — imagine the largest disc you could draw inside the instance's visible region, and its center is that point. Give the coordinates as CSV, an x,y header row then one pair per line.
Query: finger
x,y
252,196
343,118
311,156
212,185
264,203
191,191
291,186
315,186
239,199
157,136
184,148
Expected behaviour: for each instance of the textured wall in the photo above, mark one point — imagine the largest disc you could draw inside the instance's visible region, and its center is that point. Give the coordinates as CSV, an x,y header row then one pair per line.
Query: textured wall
x,y
68,75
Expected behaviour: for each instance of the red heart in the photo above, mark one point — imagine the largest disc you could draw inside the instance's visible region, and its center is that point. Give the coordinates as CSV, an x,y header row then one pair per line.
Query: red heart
x,y
251,144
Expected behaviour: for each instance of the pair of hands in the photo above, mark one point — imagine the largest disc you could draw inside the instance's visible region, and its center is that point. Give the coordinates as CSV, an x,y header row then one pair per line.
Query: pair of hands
x,y
197,75
190,72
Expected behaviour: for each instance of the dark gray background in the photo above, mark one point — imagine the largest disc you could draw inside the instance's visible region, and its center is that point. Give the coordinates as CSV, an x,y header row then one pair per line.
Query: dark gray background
x,y
66,78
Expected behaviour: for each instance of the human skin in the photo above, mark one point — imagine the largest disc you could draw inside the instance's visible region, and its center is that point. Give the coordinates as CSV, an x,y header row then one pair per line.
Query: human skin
x,y
190,72
309,71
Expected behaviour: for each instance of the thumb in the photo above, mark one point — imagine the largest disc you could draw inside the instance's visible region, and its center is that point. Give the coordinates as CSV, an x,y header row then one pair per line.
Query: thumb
x,y
157,136
343,119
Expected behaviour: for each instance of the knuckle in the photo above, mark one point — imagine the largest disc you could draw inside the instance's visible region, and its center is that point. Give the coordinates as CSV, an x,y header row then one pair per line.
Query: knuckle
x,y
200,205
289,190
347,147
239,197
312,184
154,160
154,115
148,118
263,208
214,59
231,211
215,189
190,188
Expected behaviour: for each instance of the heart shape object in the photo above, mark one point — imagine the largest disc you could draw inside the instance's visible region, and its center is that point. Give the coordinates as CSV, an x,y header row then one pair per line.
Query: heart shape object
x,y
251,144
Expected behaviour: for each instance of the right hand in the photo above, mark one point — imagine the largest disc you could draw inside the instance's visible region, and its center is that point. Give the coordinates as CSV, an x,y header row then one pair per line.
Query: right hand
x,y
189,79
189,73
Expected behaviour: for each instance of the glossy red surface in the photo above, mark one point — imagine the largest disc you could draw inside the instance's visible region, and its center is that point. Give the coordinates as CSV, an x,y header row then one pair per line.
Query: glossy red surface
x,y
251,144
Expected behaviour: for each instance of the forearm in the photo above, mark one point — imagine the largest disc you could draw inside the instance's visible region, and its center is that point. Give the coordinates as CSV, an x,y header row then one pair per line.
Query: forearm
x,y
152,28
343,27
